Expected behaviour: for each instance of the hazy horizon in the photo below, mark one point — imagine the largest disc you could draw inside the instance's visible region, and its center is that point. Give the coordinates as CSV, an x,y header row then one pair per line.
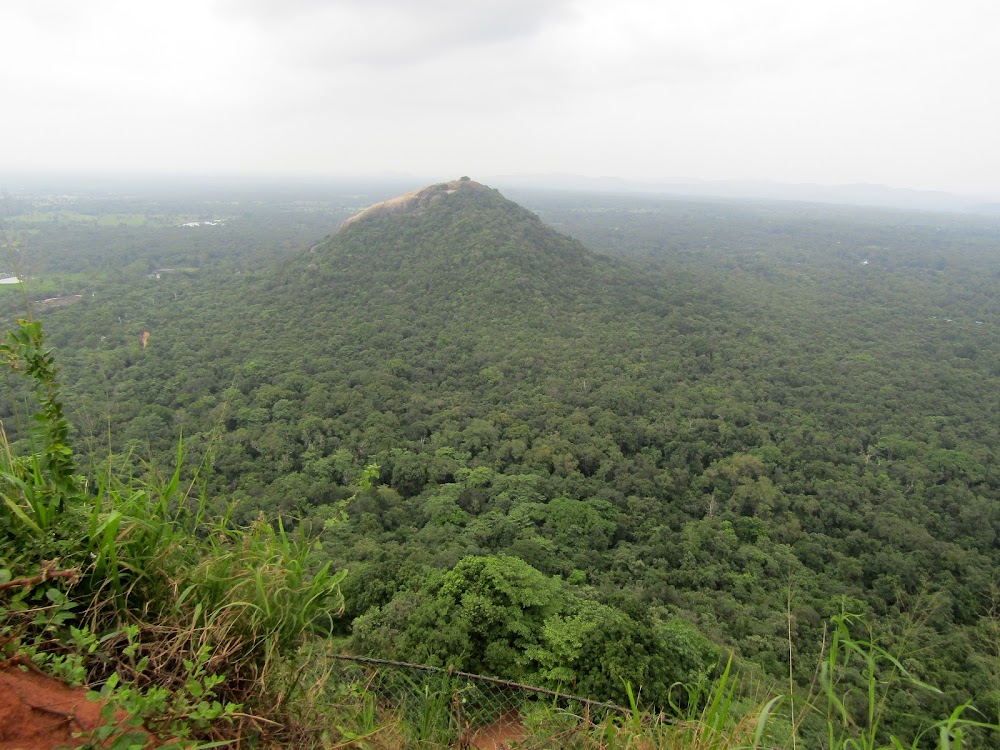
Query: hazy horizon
x,y
828,94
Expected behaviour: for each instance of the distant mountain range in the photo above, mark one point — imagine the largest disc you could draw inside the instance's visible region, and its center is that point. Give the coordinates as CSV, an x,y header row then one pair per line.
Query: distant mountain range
x,y
857,194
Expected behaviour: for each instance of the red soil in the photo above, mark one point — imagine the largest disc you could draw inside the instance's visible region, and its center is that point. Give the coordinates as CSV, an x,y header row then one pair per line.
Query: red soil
x,y
38,712
498,735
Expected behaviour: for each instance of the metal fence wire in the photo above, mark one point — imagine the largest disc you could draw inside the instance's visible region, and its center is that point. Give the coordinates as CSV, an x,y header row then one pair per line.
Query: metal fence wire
x,y
449,708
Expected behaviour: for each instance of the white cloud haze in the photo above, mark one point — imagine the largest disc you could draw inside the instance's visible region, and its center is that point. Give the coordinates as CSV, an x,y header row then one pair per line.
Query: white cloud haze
x,y
892,92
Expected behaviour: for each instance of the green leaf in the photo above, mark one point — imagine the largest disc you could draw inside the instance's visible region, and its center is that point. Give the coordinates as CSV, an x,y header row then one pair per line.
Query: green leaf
x,y
16,510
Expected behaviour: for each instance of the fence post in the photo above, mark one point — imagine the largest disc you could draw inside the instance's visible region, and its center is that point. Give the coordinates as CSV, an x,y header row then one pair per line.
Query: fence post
x,y
456,704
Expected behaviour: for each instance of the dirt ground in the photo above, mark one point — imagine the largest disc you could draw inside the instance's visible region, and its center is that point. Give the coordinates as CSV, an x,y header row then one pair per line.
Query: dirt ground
x,y
497,736
38,712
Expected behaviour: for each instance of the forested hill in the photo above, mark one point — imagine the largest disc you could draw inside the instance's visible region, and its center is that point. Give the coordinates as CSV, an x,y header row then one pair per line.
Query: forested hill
x,y
591,469
456,247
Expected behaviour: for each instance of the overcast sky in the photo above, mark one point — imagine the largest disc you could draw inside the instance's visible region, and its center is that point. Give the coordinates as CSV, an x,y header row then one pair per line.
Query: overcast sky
x,y
896,92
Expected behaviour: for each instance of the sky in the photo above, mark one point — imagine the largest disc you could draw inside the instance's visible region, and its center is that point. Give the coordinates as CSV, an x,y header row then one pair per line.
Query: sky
x,y
894,92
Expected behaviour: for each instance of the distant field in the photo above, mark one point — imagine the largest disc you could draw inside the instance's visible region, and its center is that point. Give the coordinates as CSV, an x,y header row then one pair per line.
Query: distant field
x,y
40,286
103,220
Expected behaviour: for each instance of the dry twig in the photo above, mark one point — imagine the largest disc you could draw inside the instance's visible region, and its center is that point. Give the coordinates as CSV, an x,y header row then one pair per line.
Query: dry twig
x,y
28,581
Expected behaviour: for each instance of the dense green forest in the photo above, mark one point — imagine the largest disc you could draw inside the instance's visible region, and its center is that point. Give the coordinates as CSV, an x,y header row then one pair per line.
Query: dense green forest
x,y
616,451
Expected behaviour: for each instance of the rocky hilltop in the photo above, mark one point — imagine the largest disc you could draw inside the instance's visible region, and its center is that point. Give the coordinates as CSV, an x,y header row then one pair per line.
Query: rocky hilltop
x,y
419,200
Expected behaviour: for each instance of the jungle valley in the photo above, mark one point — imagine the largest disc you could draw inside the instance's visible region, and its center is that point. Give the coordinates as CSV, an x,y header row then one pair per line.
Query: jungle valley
x,y
591,442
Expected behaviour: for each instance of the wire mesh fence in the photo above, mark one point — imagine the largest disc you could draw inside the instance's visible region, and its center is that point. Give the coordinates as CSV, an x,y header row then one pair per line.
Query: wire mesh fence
x,y
440,707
